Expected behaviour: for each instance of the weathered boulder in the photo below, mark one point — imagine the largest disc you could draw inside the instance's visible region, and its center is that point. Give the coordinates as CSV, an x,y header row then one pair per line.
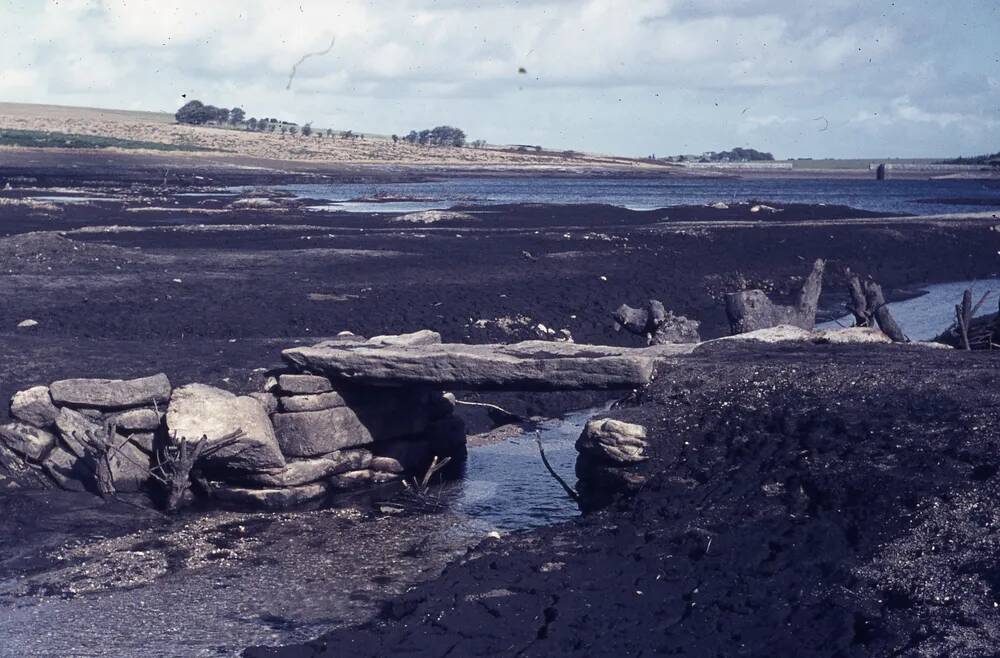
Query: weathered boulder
x,y
32,442
111,394
304,471
304,384
135,420
374,415
531,365
74,427
613,441
317,402
198,410
69,471
34,406
271,499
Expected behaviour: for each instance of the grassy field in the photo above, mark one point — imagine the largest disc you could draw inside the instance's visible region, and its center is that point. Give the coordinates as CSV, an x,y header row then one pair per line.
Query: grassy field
x,y
43,139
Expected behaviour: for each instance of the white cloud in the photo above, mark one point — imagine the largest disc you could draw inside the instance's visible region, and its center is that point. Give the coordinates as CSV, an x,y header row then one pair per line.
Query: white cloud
x,y
601,74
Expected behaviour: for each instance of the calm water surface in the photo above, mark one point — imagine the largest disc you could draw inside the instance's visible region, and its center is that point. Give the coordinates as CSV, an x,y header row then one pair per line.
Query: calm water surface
x,y
893,196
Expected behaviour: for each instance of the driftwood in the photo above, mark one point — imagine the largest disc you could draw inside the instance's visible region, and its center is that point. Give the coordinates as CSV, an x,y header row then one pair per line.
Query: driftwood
x,y
175,465
880,311
545,460
964,313
658,325
750,310
858,306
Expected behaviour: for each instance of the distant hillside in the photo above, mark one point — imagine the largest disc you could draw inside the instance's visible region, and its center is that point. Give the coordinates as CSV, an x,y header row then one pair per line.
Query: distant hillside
x,y
992,159
31,126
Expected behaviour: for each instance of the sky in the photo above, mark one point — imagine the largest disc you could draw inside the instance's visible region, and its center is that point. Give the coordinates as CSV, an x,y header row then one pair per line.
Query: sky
x,y
799,78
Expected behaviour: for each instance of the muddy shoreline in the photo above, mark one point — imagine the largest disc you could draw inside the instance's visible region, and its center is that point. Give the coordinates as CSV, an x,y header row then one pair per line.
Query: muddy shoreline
x,y
150,279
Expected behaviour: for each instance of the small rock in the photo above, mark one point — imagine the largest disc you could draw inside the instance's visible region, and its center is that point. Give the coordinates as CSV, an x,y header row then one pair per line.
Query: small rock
x,y
422,337
34,406
304,384
135,420
27,324
351,480
318,402
613,441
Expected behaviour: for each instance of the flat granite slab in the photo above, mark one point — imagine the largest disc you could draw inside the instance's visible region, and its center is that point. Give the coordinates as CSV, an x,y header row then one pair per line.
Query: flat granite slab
x,y
528,366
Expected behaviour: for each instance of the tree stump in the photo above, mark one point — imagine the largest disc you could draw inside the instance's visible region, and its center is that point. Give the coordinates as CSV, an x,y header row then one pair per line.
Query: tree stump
x,y
751,310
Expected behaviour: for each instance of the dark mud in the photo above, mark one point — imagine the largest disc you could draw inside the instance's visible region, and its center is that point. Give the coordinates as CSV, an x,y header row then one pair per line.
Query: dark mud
x,y
802,513
802,501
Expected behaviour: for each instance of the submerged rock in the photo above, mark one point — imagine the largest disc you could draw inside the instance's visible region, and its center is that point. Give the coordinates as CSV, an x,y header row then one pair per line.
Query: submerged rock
x,y
198,410
111,394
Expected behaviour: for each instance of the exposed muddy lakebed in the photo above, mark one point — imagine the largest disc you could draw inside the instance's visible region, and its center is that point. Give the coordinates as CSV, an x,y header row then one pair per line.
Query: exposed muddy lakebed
x,y
122,581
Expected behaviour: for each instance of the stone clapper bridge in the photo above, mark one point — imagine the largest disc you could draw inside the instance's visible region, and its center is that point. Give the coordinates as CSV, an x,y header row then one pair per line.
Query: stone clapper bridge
x,y
344,414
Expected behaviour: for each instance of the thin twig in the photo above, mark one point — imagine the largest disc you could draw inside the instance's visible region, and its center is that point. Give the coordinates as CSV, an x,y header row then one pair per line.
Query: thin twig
x,y
541,451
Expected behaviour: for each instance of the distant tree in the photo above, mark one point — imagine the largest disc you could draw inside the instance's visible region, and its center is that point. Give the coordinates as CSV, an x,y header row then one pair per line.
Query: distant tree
x,y
307,130
293,130
284,129
478,144
395,139
347,134
221,115
439,136
272,126
329,132
252,123
195,112
236,115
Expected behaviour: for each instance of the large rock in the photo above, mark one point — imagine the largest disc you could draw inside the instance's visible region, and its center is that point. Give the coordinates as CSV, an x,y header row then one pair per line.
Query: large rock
x,y
531,365
373,415
351,480
32,442
198,410
304,471
34,406
613,441
111,394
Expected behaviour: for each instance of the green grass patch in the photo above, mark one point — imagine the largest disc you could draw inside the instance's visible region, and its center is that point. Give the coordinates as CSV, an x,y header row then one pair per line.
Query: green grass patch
x,y
42,139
